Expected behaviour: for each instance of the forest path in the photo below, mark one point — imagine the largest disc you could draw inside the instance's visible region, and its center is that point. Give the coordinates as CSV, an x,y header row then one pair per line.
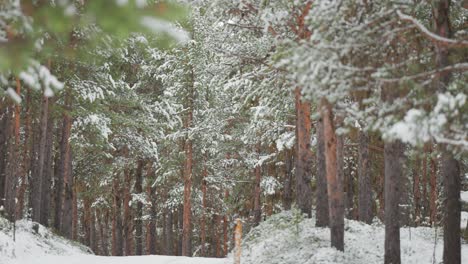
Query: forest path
x,y
91,259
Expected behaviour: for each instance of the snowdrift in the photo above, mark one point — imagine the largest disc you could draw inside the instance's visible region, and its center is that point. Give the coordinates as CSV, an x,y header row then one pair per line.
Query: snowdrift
x,y
30,244
287,238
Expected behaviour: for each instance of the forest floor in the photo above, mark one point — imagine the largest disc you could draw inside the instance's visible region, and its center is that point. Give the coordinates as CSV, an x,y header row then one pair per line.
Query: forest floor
x,y
284,238
287,238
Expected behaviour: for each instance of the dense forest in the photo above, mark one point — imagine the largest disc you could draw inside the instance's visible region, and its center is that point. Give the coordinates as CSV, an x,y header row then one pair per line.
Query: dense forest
x,y
148,127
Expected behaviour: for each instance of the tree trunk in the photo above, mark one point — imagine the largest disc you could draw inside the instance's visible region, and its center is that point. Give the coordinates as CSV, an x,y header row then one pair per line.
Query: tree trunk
x,y
203,220
322,192
303,155
39,167
4,136
257,210
87,221
117,236
393,156
10,168
169,239
139,210
48,170
416,190
287,187
433,184
128,223
424,177
349,190
334,182
26,157
187,213
180,222
74,211
151,227
65,171
450,167
364,178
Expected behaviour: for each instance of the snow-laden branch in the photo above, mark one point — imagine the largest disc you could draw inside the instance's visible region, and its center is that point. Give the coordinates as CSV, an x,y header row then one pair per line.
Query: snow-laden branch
x,y
438,40
455,67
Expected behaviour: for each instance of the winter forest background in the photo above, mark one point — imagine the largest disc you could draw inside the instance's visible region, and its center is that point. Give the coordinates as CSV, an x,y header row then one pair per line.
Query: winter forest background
x,y
143,127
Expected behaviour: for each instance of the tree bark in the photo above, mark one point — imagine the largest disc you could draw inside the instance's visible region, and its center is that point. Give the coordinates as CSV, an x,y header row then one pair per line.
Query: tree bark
x,y
36,189
322,211
139,210
66,206
364,178
187,212
433,184
416,190
26,157
334,182
117,236
48,169
303,155
257,210
393,156
288,178
450,167
128,223
4,136
151,227
203,220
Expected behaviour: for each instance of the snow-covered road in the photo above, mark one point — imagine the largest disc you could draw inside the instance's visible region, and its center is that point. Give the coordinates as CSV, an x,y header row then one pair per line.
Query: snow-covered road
x,y
90,259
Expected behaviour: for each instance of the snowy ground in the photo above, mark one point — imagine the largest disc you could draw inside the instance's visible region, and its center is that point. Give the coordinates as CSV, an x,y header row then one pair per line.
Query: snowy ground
x,y
48,248
287,239
284,238
90,259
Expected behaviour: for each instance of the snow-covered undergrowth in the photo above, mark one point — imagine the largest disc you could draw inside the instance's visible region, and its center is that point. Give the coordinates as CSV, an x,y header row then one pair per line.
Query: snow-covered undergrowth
x,y
29,244
287,238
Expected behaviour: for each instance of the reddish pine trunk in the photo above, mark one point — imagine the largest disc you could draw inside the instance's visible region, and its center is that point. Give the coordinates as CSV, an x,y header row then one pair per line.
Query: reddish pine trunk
x,y
26,157
334,182
364,178
12,167
322,193
303,155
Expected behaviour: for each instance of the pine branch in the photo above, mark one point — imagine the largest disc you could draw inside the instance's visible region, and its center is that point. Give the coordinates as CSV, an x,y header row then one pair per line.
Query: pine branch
x,y
438,40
